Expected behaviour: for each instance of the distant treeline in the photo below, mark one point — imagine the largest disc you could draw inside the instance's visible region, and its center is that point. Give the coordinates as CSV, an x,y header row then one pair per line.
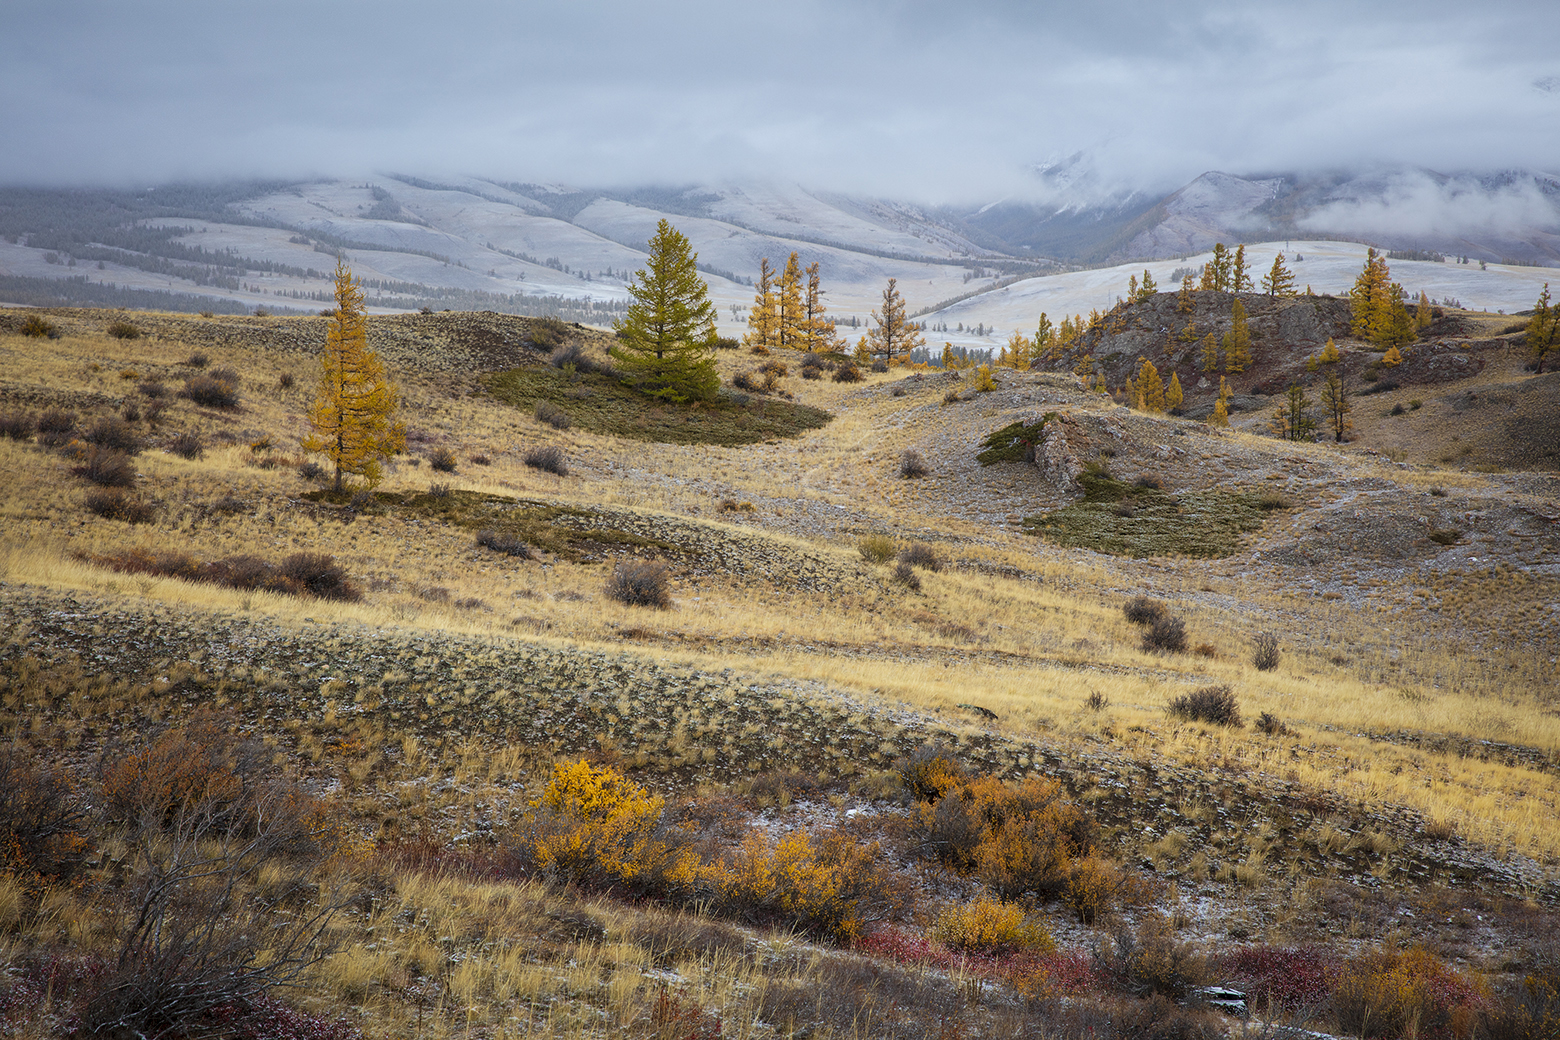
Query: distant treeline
x,y
76,291
561,307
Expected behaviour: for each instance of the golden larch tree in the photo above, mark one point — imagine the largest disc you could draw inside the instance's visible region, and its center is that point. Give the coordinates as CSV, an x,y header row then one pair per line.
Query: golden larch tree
x,y
1237,341
1173,394
1216,272
817,330
1240,278
1210,352
352,415
1221,406
1150,388
791,329
1186,299
1279,281
1335,400
1543,331
894,334
762,320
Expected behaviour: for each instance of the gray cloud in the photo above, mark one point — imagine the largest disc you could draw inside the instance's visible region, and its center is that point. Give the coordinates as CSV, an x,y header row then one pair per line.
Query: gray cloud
x,y
910,97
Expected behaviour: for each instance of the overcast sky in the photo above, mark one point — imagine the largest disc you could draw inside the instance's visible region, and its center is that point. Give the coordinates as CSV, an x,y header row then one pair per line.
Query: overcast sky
x,y
932,100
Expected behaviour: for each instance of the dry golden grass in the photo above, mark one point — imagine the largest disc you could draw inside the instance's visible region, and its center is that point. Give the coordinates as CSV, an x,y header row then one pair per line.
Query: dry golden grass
x,y
1030,650
1022,629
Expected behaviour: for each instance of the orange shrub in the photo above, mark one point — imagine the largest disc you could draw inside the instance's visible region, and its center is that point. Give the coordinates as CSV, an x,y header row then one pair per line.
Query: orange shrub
x,y
208,778
1391,994
931,771
1017,838
43,831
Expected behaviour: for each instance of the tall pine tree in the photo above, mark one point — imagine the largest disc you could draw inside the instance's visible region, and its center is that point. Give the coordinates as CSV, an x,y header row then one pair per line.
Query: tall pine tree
x,y
1045,340
1216,272
1210,353
1240,278
817,330
1368,304
1186,300
666,339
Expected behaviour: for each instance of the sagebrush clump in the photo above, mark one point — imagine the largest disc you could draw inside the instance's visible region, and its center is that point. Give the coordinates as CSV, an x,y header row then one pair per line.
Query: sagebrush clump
x,y
641,583
548,458
1140,610
1215,705
1165,635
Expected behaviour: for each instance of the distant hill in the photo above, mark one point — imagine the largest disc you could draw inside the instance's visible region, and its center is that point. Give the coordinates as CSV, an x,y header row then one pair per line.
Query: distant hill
x,y
469,243
1501,217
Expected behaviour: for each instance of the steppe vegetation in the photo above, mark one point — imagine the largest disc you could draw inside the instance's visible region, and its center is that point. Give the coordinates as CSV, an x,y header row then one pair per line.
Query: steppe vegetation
x,y
718,728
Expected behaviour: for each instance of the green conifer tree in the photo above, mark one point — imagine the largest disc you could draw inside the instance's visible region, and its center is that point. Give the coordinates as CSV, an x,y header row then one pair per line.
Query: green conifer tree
x,y
666,339
1045,340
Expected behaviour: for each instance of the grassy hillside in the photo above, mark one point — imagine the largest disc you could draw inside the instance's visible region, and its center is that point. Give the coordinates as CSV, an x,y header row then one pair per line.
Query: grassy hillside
x,y
983,751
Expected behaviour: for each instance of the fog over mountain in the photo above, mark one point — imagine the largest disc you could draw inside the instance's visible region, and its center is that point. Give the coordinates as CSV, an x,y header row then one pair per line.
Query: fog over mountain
x,y
499,153
956,104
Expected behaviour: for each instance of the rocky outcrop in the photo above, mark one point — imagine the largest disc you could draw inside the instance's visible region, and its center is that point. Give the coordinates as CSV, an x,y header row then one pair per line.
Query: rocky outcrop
x,y
1054,458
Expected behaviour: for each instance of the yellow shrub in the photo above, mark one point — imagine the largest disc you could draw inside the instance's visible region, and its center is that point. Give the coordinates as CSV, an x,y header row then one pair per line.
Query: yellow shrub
x,y
1092,884
990,926
833,886
594,826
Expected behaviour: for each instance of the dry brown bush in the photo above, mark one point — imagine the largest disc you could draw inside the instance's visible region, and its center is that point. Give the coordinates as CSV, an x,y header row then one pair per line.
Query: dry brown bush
x,y
18,426
640,583
1140,610
1215,705
1165,635
106,467
114,504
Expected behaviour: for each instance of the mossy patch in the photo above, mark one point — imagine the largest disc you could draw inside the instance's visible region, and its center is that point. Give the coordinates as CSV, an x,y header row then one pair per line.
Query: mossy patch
x,y
600,403
1131,520
1013,442
569,532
